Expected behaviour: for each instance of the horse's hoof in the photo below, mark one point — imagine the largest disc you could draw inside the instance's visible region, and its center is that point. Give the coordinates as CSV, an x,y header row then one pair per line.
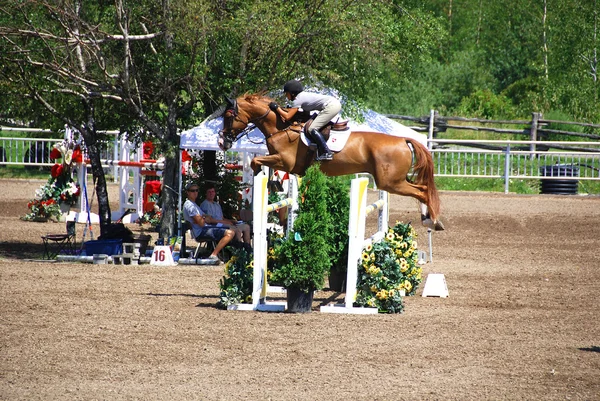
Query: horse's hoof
x,y
439,226
427,222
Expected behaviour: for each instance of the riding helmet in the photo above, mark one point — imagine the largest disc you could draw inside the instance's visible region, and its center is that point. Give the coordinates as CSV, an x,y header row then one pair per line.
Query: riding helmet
x,y
294,87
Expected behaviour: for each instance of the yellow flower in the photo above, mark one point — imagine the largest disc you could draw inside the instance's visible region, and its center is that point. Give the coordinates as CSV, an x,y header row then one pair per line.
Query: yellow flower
x,y
368,248
251,265
371,302
249,299
373,288
403,265
390,236
383,294
365,256
407,285
392,293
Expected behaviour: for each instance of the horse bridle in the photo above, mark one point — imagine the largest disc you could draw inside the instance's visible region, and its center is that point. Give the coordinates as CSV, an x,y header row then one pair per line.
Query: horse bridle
x,y
228,132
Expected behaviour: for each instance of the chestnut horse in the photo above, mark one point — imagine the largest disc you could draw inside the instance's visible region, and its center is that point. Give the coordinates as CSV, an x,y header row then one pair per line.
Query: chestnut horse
x,y
387,158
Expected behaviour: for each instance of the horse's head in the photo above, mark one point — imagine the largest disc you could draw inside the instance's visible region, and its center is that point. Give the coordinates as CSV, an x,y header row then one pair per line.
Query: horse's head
x,y
239,114
231,125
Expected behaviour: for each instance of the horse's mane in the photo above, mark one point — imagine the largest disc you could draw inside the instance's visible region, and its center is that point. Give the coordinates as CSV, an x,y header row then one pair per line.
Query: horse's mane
x,y
257,96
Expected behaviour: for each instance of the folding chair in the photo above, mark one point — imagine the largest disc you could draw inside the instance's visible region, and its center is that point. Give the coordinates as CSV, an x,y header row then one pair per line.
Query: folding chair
x,y
55,244
205,244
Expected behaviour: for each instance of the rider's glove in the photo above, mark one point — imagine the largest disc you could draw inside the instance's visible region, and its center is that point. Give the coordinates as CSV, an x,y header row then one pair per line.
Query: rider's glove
x,y
273,106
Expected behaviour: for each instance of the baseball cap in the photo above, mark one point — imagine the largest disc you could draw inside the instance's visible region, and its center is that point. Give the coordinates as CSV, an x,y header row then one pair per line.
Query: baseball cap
x,y
190,185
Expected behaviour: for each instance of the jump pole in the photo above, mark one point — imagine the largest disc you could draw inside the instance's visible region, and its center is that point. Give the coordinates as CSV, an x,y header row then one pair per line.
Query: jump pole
x,y
356,232
261,209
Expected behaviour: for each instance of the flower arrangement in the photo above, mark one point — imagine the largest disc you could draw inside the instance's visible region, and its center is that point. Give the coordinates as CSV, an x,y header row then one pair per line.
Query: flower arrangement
x,y
60,187
388,269
42,209
236,285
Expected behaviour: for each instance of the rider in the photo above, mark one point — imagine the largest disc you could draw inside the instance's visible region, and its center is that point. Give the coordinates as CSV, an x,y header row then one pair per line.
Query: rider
x,y
328,107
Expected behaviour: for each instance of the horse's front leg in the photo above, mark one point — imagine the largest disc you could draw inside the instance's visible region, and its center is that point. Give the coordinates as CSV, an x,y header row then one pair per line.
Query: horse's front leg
x,y
273,161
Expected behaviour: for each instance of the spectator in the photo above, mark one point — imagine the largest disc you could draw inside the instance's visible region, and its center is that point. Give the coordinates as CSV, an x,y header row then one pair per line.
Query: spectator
x,y
212,208
203,225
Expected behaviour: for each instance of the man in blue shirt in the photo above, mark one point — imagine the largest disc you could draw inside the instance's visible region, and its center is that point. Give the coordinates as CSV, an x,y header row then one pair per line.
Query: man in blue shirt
x,y
212,208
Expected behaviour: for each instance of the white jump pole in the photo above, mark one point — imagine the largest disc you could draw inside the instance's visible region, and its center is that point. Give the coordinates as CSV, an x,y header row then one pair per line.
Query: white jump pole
x,y
261,209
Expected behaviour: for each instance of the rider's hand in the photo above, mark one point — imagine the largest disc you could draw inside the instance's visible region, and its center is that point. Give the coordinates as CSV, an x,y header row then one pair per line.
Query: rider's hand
x,y
273,106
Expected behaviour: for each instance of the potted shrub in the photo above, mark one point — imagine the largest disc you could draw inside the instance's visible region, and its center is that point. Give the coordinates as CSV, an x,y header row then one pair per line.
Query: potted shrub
x,y
304,258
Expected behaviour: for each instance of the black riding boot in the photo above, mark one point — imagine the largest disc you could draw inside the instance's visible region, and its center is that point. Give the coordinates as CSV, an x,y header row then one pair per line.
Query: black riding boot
x,y
323,152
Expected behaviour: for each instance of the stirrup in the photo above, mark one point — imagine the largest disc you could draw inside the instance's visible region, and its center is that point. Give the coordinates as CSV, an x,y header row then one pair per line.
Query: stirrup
x,y
325,157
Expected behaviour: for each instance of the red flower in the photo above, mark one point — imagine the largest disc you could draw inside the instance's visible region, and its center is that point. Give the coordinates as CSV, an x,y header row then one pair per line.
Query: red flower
x,y
148,149
56,171
185,156
77,155
55,154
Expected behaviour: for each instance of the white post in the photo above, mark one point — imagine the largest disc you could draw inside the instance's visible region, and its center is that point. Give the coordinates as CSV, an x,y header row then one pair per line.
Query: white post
x,y
292,209
260,199
431,129
384,212
356,232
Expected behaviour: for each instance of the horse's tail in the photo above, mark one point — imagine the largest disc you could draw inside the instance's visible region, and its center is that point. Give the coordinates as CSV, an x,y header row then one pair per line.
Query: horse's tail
x,y
423,173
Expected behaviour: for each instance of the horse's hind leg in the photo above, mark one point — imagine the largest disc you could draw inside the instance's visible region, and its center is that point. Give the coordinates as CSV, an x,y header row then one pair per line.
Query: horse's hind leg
x,y
419,192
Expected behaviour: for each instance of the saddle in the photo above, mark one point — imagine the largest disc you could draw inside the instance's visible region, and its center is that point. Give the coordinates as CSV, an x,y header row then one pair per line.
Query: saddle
x,y
326,130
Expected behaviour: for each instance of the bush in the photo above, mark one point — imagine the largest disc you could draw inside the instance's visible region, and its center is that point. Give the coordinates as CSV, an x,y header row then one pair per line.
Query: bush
x,y
338,207
304,257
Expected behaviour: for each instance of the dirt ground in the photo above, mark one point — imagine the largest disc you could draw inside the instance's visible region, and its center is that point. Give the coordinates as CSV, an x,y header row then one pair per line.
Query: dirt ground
x,y
521,321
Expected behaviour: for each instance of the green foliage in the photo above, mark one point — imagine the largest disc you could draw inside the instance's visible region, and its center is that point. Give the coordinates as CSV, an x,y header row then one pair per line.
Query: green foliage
x,y
227,186
485,104
338,207
387,269
236,285
304,258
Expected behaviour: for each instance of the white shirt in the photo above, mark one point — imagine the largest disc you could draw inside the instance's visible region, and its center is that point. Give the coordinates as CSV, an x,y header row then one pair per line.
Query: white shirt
x,y
308,101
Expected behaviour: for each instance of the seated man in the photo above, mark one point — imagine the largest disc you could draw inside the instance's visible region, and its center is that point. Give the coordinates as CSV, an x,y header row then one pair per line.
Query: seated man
x,y
202,225
212,208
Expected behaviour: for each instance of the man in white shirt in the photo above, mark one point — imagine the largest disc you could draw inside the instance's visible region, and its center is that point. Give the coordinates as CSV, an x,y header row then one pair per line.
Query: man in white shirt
x,y
212,208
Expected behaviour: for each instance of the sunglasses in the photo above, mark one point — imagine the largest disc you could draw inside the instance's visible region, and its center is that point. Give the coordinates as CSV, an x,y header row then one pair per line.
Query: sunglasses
x,y
192,190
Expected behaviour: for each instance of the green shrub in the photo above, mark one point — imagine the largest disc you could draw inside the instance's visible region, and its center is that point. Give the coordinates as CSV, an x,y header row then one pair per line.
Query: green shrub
x,y
304,257
338,207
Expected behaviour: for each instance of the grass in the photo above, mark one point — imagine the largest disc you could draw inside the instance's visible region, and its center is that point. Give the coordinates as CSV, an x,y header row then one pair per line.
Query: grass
x,y
23,173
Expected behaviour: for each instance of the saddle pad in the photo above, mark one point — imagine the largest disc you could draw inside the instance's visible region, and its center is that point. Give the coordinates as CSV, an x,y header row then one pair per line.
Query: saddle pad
x,y
336,142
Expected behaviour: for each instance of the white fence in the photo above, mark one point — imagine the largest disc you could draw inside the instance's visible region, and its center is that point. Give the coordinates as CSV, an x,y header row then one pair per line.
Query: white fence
x,y
34,152
452,158
513,162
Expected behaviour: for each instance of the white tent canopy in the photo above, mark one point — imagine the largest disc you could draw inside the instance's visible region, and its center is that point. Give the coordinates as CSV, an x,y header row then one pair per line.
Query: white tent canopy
x,y
206,135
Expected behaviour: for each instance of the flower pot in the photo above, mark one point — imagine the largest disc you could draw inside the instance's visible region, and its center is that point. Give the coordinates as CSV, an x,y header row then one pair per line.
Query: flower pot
x,y
337,280
64,208
299,301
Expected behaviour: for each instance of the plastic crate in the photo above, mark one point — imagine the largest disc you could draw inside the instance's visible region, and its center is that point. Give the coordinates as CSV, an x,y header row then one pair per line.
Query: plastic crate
x,y
104,247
